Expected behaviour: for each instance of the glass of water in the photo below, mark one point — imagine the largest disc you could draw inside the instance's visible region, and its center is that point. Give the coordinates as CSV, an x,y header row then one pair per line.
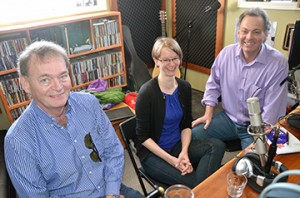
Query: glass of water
x,y
235,184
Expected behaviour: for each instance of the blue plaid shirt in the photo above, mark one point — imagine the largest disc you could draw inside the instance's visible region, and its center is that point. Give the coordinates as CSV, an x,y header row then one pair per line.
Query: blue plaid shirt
x,y
45,159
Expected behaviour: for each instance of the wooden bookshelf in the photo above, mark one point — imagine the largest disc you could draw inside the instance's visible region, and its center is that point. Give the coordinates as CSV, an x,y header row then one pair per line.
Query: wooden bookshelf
x,y
94,43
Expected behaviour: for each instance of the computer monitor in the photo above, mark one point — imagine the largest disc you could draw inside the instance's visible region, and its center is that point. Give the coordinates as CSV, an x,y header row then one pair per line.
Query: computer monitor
x,y
294,55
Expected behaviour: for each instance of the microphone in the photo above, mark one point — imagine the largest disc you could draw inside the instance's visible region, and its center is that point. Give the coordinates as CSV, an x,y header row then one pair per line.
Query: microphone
x,y
257,129
215,6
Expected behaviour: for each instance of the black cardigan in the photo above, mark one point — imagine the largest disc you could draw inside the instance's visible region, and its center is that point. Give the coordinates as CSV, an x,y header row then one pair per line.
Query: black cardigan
x,y
150,112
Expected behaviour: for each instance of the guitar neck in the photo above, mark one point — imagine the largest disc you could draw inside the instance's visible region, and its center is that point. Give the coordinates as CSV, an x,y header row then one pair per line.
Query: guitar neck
x,y
163,30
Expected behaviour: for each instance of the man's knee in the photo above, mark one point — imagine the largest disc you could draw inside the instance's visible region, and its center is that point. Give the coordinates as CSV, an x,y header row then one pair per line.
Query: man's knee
x,y
217,146
198,132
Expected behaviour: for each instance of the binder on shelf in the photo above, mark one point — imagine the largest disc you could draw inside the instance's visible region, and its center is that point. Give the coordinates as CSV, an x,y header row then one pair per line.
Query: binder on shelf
x,y
9,51
106,32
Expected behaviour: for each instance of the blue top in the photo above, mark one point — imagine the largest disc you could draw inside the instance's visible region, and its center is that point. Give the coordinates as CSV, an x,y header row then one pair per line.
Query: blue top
x,y
171,132
45,159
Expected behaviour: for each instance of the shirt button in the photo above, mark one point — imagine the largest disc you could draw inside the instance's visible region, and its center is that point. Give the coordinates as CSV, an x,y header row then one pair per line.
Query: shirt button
x,y
82,156
52,125
98,187
90,172
75,141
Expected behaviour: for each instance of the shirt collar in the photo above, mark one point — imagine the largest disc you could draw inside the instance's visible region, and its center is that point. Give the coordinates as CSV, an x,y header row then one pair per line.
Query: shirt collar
x,y
261,57
44,115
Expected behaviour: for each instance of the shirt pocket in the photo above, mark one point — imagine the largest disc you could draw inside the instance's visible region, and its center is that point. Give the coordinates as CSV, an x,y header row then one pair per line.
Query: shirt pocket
x,y
255,91
98,141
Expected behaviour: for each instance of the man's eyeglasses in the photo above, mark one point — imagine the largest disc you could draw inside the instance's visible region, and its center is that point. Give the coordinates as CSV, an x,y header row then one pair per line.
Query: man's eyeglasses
x,y
90,145
168,61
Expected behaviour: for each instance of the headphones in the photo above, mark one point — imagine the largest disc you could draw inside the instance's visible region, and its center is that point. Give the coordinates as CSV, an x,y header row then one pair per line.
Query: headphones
x,y
294,121
250,166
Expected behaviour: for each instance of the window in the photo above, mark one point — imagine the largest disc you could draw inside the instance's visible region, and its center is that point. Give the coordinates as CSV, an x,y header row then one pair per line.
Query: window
x,y
270,4
16,11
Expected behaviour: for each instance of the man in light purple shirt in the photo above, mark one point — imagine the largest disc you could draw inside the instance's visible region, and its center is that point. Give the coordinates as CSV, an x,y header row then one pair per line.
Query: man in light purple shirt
x,y
246,69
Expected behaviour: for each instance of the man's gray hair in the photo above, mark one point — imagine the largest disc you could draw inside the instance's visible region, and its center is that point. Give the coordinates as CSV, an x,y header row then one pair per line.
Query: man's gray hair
x,y
40,50
257,12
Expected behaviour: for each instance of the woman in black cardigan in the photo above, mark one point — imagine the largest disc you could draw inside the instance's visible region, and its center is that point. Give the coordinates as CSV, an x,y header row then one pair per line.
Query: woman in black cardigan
x,y
163,115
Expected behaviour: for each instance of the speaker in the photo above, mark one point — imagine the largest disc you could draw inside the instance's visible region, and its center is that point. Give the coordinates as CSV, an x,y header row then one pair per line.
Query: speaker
x,y
142,18
202,33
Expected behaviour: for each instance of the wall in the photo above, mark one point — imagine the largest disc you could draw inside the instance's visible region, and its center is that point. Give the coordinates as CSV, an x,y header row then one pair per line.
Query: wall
x,y
283,17
4,123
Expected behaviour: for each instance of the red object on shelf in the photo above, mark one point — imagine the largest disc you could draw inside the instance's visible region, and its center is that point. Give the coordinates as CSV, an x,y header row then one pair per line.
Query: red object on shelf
x,y
130,99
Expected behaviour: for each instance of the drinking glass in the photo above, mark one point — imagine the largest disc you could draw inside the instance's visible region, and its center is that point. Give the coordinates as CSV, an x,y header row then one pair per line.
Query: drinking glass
x,y
235,185
179,191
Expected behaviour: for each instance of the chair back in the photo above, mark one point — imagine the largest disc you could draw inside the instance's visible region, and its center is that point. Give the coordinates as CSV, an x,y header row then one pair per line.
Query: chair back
x,y
279,189
128,132
138,71
128,129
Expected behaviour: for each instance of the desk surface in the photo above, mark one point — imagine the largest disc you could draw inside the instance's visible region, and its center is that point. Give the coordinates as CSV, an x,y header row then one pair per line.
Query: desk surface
x,y
216,186
120,105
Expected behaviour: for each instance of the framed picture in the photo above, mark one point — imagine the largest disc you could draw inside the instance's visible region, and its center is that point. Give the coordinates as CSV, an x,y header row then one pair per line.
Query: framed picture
x,y
287,36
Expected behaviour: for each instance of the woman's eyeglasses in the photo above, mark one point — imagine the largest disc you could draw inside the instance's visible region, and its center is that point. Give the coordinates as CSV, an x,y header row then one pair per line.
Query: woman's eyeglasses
x,y
168,61
90,145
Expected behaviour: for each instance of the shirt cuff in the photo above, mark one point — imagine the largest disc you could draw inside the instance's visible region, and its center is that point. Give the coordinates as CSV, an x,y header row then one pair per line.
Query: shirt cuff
x,y
113,188
209,103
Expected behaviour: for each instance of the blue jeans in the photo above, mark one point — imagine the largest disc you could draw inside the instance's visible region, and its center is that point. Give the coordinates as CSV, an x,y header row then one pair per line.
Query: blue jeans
x,y
129,192
223,128
205,156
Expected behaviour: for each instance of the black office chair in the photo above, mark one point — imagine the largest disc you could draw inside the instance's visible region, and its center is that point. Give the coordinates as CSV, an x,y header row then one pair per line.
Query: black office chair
x,y
9,191
233,145
128,131
137,70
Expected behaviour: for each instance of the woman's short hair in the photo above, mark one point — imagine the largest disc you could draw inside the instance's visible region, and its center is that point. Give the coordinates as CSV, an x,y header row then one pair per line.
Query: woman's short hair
x,y
166,42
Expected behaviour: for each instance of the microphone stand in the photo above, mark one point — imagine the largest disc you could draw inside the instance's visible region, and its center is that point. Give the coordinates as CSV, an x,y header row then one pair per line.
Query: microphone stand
x,y
189,29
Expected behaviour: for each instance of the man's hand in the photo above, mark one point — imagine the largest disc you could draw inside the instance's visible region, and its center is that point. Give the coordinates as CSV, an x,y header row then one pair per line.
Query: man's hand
x,y
206,118
203,119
